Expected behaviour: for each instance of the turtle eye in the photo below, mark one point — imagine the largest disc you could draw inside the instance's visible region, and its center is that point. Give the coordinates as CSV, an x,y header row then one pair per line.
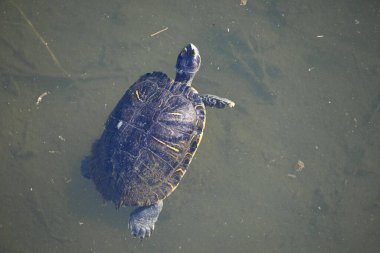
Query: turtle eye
x,y
183,51
192,54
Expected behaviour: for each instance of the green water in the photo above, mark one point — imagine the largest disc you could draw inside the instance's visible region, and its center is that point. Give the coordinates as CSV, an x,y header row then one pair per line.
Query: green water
x,y
306,79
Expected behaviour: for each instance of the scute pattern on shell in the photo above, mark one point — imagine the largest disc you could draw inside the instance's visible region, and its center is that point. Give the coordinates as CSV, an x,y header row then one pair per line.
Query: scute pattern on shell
x,y
149,141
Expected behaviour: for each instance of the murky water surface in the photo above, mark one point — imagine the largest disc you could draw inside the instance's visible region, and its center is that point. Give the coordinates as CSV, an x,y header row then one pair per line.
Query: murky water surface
x,y
293,168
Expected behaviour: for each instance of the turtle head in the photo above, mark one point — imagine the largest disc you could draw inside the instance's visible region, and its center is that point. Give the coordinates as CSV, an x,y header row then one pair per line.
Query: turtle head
x,y
188,64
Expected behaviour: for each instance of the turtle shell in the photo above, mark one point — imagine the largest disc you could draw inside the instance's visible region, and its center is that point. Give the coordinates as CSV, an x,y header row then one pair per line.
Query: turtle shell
x,y
149,141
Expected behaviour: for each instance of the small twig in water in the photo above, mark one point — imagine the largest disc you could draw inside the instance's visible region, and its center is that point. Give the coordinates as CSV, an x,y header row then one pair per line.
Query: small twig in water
x,y
160,31
39,99
38,35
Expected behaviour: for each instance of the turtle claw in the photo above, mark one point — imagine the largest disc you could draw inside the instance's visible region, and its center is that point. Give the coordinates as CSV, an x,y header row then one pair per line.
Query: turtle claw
x,y
140,231
142,220
217,102
148,233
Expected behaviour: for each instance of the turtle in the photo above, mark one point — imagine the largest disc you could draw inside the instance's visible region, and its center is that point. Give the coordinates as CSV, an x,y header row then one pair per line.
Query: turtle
x,y
149,140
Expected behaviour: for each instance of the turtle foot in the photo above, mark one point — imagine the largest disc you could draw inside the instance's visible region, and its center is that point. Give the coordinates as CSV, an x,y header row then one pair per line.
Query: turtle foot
x,y
217,102
142,220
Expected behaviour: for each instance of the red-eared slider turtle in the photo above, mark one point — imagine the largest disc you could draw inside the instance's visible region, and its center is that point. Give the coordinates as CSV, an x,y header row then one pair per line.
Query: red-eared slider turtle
x,y
149,141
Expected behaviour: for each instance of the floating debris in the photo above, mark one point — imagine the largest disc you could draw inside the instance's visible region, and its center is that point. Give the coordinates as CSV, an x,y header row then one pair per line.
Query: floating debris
x,y
243,2
320,36
39,99
292,175
160,31
54,152
300,165
61,138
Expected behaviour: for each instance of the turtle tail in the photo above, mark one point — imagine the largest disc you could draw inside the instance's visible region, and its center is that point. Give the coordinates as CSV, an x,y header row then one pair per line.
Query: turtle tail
x,y
85,167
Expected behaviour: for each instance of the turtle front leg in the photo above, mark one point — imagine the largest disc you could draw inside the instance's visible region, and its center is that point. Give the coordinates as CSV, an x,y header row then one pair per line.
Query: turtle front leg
x,y
215,101
142,219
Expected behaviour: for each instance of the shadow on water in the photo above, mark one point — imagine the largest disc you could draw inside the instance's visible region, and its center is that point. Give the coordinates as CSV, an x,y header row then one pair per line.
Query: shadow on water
x,y
240,53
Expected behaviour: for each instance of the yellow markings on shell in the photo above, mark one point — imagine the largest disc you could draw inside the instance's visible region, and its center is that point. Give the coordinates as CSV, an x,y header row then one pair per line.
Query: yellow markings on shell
x,y
175,113
167,145
200,137
180,170
191,156
182,173
175,187
155,194
171,185
201,134
138,95
203,107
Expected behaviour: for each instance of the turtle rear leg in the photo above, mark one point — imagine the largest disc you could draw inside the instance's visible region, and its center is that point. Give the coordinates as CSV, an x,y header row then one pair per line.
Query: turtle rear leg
x,y
215,101
142,219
